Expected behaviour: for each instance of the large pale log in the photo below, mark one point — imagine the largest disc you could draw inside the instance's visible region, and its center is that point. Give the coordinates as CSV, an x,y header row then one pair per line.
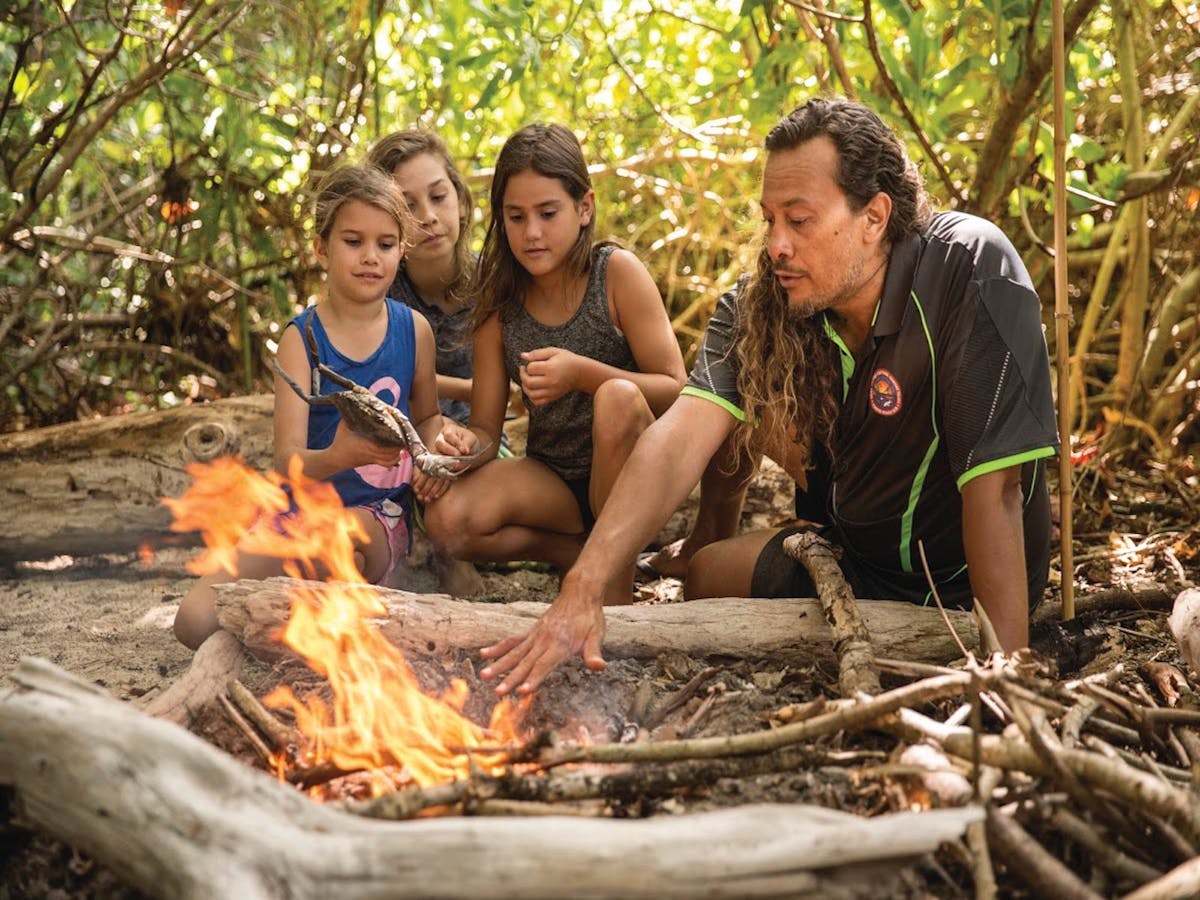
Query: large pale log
x,y
794,631
175,817
97,486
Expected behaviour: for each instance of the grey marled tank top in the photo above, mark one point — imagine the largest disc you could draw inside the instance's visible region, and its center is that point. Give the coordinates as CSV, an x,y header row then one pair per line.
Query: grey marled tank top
x,y
560,433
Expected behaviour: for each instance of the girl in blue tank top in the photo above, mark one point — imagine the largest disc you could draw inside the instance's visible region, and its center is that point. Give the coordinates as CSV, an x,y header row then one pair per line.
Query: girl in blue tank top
x,y
582,329
373,341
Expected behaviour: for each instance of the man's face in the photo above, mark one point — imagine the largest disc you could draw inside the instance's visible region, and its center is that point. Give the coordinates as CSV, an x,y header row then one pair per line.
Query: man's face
x,y
819,247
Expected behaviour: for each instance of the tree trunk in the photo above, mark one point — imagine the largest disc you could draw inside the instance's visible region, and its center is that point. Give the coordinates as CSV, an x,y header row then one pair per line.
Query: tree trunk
x,y
175,817
97,486
794,631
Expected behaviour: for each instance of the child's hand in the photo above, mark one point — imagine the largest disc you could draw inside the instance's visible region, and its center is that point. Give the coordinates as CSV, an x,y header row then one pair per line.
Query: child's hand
x,y
547,374
452,440
455,440
426,487
355,450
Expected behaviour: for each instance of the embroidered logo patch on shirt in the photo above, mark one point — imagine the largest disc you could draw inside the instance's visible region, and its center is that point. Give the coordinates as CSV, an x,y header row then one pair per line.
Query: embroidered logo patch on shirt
x,y
886,396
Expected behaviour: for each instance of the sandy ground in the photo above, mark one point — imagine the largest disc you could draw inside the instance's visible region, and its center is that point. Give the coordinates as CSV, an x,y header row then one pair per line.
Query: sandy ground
x,y
107,619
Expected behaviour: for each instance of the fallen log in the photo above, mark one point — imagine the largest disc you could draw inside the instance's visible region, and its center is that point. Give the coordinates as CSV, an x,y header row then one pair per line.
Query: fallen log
x,y
97,486
175,817
792,631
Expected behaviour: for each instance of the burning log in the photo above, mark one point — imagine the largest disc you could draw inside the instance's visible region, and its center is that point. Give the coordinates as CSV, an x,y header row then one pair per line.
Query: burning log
x,y
96,487
175,817
792,631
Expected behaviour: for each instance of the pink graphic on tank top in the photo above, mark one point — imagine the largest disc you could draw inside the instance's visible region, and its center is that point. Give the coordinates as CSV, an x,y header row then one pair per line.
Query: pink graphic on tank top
x,y
401,473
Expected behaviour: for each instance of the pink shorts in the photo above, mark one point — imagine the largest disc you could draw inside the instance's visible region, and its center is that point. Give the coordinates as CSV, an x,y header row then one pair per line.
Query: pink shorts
x,y
395,525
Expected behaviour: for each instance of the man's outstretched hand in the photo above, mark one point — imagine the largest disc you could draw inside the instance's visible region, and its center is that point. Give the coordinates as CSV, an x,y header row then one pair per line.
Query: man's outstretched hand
x,y
574,623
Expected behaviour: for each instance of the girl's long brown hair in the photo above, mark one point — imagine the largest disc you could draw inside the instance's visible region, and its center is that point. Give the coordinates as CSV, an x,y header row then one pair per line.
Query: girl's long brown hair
x,y
552,151
399,147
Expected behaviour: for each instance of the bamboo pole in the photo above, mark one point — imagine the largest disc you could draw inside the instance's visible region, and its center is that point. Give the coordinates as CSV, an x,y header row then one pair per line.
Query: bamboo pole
x,y
1135,295
1062,315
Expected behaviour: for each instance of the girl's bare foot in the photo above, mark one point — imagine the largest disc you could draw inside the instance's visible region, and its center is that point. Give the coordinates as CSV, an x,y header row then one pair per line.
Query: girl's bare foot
x,y
670,561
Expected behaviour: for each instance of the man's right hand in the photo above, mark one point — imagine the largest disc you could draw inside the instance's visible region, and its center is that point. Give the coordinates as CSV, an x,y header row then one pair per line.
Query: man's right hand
x,y
574,623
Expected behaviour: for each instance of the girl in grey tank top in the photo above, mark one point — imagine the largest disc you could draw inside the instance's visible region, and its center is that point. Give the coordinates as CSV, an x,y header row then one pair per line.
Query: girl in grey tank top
x,y
580,328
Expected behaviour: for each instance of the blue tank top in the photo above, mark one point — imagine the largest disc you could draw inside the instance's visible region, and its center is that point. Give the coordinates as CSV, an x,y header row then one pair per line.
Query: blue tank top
x,y
387,373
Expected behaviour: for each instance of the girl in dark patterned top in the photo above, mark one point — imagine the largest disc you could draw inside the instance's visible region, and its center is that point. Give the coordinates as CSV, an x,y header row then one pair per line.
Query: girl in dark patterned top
x,y
581,327
437,279
437,275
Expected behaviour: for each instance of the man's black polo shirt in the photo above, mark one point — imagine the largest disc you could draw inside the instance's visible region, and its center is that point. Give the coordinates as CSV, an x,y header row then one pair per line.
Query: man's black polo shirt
x,y
953,382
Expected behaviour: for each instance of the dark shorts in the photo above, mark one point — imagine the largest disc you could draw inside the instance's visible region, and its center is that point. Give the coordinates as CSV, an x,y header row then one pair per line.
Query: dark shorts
x,y
778,575
579,489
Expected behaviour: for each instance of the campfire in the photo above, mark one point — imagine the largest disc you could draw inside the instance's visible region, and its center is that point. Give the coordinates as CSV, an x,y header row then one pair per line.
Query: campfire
x,y
379,722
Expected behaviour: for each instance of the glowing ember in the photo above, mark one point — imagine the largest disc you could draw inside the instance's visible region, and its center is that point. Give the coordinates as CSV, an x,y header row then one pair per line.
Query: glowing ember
x,y
380,720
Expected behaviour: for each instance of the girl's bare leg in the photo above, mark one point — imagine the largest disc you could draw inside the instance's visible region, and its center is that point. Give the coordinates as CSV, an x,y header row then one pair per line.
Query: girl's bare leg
x,y
620,416
509,509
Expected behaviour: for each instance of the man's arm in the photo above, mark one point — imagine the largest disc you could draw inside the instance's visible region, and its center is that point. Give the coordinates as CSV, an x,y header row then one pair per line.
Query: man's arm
x,y
994,542
665,465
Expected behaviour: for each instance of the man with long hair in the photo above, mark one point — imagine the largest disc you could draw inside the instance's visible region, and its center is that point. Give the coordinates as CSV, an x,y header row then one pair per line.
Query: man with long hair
x,y
890,359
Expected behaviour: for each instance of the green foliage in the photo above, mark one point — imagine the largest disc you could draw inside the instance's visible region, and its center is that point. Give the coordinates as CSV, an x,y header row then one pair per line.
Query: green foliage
x,y
157,157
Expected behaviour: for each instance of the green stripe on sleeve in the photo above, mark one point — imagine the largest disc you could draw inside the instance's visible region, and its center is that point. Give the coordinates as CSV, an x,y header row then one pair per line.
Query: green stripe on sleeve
x,y
1004,462
693,391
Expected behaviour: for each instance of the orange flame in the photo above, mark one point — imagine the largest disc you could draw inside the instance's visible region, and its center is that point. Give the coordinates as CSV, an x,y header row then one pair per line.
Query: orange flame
x,y
380,718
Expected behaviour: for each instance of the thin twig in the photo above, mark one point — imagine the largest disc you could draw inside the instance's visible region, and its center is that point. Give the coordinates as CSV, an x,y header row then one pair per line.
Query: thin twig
x,y
938,600
245,728
280,736
851,717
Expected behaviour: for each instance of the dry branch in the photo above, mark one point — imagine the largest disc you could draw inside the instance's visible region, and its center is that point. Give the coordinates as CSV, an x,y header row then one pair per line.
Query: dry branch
x,y
219,659
1153,794
1044,874
1180,883
849,716
175,817
851,640
624,785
